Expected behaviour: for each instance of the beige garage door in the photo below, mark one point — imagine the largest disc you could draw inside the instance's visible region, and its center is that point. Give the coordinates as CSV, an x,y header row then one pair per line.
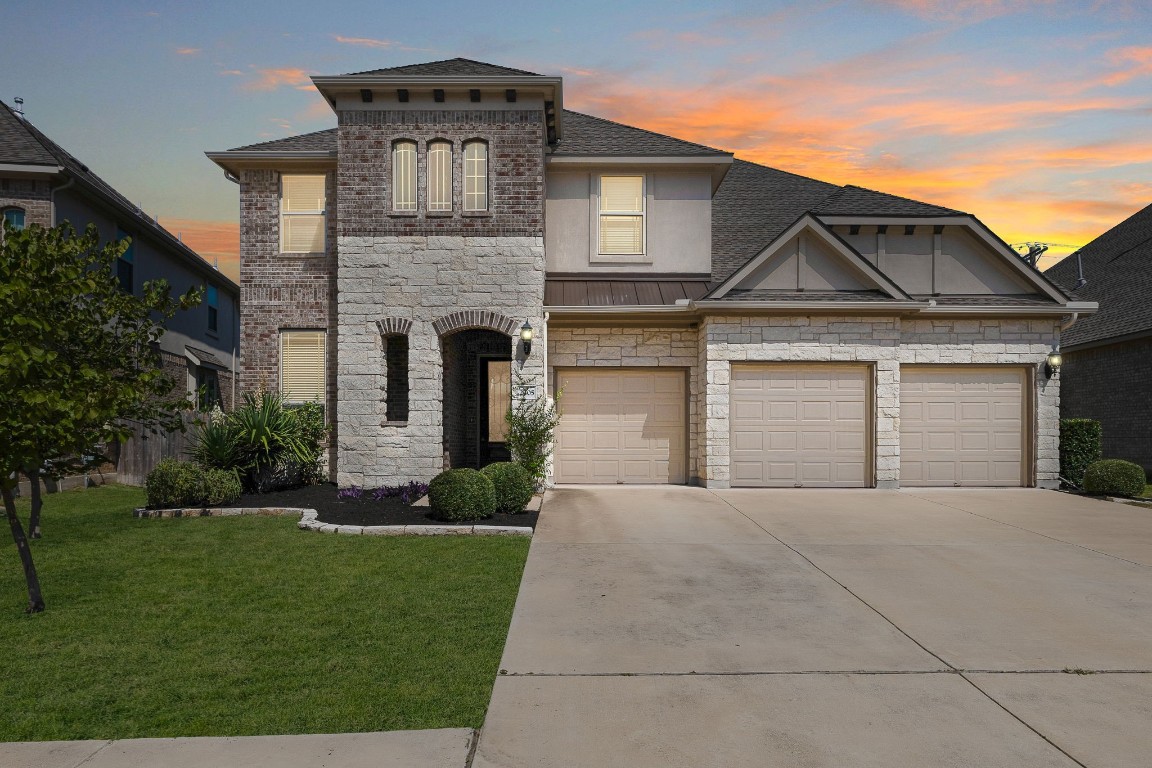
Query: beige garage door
x,y
962,426
622,425
800,425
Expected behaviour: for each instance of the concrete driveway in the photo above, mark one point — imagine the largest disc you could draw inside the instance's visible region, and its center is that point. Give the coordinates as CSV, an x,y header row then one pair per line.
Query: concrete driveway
x,y
685,627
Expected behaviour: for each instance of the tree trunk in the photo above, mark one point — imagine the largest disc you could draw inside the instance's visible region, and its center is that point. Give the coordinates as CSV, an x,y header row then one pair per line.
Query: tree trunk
x,y
37,503
35,599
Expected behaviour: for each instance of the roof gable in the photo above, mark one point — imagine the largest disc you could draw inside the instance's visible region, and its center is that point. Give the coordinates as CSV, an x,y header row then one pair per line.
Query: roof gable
x,y
449,68
318,141
19,143
809,256
858,201
1118,269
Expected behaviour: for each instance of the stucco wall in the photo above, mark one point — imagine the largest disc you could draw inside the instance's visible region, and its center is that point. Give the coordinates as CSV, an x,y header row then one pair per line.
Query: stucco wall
x,y
678,229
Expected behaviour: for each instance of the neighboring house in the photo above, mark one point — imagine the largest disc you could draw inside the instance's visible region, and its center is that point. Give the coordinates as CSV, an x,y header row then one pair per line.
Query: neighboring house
x,y
42,183
1106,356
707,320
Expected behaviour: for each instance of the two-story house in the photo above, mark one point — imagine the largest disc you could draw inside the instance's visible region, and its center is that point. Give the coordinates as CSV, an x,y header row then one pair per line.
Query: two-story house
x,y
42,183
706,320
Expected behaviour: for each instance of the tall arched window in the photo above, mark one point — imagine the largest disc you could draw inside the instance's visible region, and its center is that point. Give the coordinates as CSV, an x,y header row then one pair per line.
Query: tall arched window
x,y
475,176
439,176
404,176
14,217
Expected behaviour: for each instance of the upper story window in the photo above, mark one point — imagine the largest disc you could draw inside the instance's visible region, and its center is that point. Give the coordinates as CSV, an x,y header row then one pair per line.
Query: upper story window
x,y
404,177
621,215
439,176
126,264
475,176
302,219
302,369
212,299
14,217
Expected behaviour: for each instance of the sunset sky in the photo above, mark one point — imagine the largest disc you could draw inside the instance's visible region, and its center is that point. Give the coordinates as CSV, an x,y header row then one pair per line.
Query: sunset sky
x,y
1035,116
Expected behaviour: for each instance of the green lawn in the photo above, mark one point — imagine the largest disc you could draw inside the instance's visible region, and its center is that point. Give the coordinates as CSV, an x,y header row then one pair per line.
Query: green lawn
x,y
245,625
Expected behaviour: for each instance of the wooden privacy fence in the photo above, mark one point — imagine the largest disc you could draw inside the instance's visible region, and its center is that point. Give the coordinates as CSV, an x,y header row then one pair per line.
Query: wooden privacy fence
x,y
144,450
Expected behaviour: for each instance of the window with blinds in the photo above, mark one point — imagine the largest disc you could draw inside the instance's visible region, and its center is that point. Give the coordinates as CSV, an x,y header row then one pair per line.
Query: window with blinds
x,y
475,176
622,215
302,213
404,176
439,176
302,366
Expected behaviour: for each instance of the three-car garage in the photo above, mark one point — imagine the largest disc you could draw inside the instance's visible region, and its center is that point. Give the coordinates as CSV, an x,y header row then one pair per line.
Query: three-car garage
x,y
800,425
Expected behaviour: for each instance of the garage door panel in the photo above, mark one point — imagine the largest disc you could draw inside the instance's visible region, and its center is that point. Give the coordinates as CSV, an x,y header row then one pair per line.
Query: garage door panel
x,y
962,426
799,425
622,426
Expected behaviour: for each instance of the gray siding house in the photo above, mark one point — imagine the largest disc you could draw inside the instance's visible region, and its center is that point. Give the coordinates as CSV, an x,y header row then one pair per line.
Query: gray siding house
x,y
42,183
703,319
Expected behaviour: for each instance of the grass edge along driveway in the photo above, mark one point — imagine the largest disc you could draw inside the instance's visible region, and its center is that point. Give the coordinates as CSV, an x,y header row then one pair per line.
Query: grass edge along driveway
x,y
235,626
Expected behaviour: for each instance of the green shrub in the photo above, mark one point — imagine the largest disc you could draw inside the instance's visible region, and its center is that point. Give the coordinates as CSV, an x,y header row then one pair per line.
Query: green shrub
x,y
1080,445
1114,477
215,443
514,486
532,422
220,487
461,494
174,484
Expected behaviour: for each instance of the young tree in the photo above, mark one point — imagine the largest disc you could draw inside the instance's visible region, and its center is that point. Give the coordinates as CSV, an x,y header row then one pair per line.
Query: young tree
x,y
78,363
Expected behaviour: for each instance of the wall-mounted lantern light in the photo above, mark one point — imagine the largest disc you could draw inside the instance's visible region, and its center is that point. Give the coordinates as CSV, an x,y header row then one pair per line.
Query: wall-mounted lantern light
x,y
1052,364
526,337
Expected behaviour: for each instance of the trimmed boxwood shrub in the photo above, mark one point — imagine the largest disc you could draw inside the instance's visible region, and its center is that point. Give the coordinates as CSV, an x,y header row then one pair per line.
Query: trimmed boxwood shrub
x,y
1114,477
184,484
173,484
461,494
1080,445
221,487
514,485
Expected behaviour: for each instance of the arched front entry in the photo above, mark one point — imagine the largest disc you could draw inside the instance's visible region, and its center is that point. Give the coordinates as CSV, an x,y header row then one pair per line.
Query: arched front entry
x,y
477,351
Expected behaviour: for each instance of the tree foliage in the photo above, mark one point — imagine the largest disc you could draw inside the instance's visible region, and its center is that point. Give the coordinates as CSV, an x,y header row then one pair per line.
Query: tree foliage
x,y
78,361
532,422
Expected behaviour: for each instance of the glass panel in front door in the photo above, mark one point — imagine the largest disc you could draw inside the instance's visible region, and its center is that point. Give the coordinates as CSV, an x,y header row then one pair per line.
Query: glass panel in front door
x,y
499,398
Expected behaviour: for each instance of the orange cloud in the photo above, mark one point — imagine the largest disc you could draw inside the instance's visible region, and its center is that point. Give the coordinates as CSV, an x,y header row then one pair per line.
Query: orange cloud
x,y
272,78
364,41
216,241
187,51
1136,60
965,10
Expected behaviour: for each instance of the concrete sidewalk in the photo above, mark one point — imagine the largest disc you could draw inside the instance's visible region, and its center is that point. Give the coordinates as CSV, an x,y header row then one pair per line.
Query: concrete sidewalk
x,y
447,748
682,627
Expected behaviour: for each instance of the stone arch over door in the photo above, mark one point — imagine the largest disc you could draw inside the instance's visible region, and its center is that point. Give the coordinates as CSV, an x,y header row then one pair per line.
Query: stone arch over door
x,y
482,319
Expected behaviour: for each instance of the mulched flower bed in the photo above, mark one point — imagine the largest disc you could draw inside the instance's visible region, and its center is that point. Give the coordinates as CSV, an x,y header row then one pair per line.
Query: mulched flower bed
x,y
366,510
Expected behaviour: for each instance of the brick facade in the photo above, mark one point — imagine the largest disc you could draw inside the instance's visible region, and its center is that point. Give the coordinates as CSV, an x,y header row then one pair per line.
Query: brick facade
x,y
33,195
1111,384
281,291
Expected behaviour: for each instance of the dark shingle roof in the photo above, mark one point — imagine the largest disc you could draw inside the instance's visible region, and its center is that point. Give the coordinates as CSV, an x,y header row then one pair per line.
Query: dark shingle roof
x,y
17,144
449,68
753,205
1013,300
319,141
104,191
858,201
1118,268
588,135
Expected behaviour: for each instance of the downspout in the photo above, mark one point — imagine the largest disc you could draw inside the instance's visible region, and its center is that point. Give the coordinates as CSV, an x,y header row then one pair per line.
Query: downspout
x,y
52,195
544,355
235,314
1071,321
231,176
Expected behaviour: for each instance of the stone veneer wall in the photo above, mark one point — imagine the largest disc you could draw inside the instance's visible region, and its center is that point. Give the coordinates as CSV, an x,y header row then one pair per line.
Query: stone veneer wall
x,y
33,195
422,279
588,347
885,342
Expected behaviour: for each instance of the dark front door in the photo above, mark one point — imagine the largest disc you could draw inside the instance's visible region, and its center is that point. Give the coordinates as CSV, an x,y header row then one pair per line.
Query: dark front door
x,y
495,399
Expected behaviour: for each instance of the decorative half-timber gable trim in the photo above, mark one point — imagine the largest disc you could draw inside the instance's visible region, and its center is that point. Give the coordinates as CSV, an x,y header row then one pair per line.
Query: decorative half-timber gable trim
x,y
459,321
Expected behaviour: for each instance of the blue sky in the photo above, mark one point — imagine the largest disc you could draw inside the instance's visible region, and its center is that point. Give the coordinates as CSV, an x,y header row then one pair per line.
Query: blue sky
x,y
1034,115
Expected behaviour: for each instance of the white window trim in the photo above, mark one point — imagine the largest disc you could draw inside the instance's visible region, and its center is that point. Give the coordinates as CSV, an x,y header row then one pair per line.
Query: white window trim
x,y
595,257
432,145
487,176
414,182
323,212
